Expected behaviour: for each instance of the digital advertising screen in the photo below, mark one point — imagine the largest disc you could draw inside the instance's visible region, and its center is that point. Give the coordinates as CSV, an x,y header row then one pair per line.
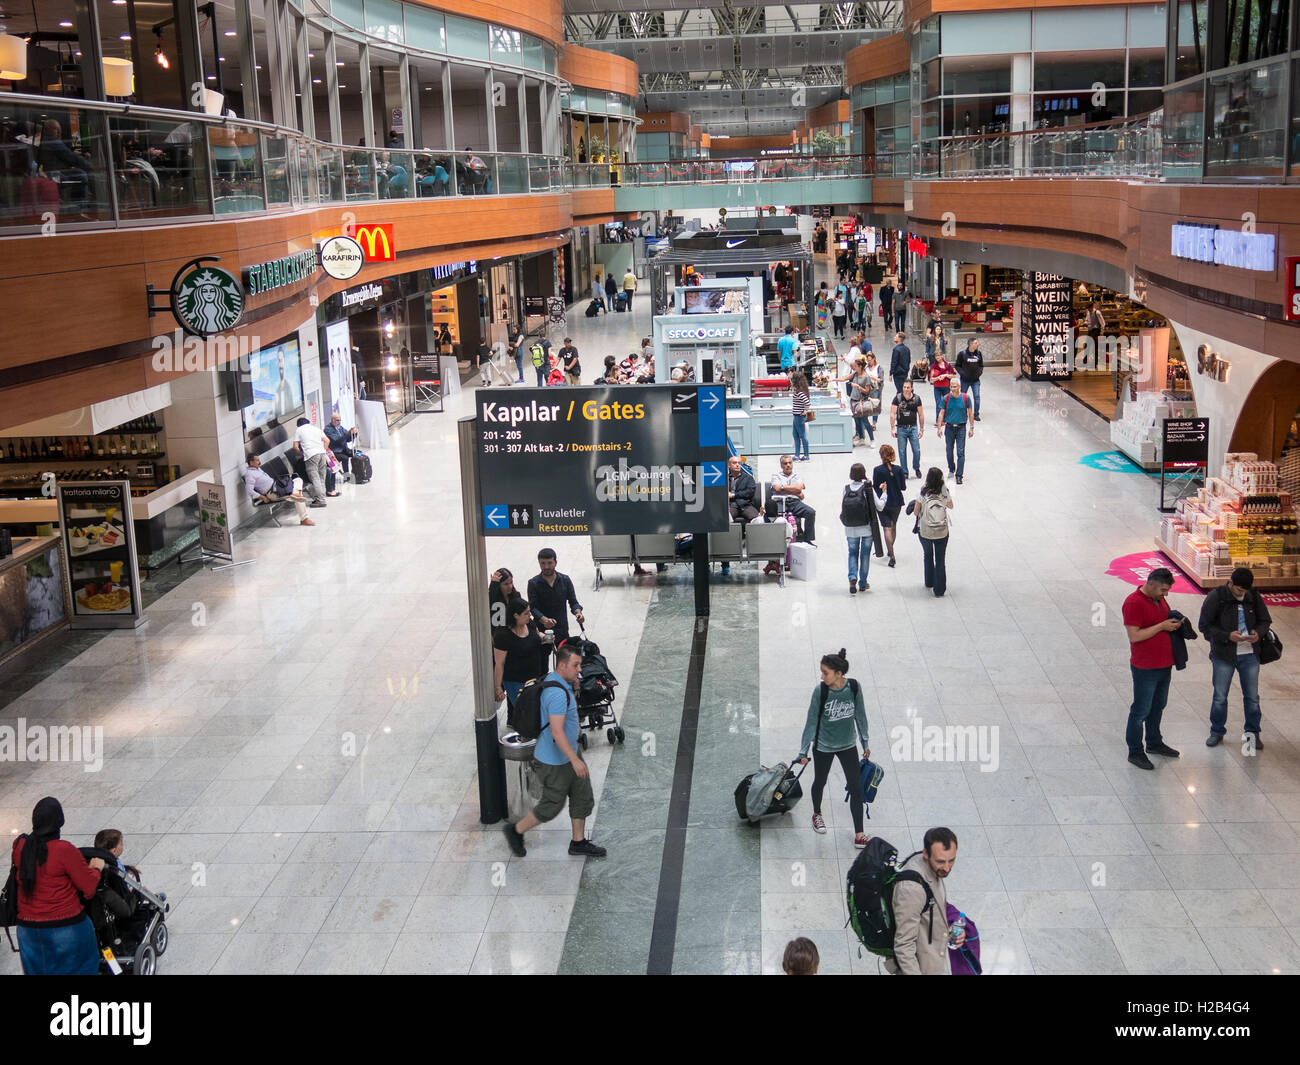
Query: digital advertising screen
x,y
276,375
717,301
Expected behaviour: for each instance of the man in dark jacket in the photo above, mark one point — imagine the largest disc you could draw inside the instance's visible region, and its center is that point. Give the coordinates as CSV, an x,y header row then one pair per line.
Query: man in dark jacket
x,y
1233,619
742,492
900,362
340,441
611,288
970,368
552,595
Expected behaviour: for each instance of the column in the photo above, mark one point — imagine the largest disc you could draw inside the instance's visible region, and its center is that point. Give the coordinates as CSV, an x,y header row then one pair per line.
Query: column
x,y
1022,109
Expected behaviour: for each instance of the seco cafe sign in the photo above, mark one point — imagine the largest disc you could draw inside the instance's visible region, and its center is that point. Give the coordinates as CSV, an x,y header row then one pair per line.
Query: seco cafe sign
x,y
684,334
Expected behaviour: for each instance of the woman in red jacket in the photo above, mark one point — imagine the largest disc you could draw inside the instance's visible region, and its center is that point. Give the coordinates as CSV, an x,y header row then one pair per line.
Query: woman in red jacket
x,y
55,936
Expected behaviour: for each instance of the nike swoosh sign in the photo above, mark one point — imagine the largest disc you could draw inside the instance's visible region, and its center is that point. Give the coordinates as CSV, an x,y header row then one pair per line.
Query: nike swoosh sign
x,y
734,243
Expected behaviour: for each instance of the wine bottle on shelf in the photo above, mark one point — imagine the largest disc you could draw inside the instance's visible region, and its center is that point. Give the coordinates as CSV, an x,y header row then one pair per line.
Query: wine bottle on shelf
x,y
135,450
22,450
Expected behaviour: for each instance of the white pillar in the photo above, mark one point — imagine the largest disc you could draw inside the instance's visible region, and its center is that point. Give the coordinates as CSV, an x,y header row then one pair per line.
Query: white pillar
x,y
1022,106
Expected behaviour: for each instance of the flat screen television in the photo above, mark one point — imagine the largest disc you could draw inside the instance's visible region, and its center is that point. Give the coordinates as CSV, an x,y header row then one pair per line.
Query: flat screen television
x,y
717,301
276,376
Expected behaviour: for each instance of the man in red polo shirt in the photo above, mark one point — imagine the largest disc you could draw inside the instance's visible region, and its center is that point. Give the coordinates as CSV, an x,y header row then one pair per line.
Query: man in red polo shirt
x,y
1151,660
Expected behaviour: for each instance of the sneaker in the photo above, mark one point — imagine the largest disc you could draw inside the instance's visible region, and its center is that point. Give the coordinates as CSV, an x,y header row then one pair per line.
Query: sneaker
x,y
1162,749
977,417
1139,759
1259,744
515,839
585,849
772,569
1214,740
726,569
959,480
853,587
865,586
918,473
819,824
860,840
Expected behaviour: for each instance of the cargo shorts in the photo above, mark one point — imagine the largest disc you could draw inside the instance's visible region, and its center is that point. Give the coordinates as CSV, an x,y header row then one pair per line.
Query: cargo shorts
x,y
558,783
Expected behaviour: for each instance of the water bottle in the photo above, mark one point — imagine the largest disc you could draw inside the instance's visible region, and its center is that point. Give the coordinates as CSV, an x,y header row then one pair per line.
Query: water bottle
x,y
957,929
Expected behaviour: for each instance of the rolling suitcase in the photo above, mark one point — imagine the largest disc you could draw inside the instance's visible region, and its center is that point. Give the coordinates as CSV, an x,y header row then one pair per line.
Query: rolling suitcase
x,y
620,303
768,792
593,309
362,470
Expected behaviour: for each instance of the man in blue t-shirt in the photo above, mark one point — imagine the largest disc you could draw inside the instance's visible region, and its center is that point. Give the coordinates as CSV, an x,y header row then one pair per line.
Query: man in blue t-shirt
x,y
558,767
787,346
953,421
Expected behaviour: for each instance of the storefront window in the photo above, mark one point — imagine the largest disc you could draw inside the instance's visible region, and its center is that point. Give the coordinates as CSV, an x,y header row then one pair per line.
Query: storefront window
x,y
1056,71
1192,38
1294,131
1247,121
976,75
968,116
1146,67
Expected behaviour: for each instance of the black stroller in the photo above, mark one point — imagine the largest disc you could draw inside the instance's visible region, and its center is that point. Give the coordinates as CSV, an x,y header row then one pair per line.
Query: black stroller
x,y
130,920
596,686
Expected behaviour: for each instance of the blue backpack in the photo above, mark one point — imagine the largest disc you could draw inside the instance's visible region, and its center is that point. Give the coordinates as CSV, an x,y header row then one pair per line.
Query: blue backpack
x,y
869,777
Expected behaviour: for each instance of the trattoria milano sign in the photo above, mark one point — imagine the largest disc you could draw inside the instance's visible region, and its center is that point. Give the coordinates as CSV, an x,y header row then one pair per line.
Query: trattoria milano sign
x,y
263,277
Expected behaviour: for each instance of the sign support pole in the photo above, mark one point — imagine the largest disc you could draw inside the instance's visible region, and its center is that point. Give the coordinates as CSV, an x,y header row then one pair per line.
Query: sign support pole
x,y
491,774
700,557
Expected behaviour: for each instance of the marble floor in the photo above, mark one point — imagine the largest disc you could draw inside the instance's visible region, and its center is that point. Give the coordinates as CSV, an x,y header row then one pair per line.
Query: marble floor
x,y
289,745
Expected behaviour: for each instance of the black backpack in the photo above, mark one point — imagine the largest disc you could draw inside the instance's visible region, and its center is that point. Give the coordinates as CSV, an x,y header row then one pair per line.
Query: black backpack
x,y
870,890
524,715
855,509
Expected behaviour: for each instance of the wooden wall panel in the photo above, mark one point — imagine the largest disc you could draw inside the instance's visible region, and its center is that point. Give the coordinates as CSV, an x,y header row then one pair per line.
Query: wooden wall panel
x,y
592,69
544,18
830,113
664,121
877,59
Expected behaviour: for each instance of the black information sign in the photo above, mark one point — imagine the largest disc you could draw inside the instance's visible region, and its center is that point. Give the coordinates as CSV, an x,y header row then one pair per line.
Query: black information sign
x,y
1046,327
426,376
605,461
1185,451
1185,443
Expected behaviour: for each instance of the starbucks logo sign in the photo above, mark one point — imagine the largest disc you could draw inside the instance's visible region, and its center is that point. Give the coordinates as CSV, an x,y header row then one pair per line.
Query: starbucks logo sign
x,y
207,299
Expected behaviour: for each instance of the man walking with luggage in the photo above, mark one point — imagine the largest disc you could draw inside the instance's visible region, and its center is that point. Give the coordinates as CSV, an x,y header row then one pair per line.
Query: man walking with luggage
x,y
540,353
920,903
598,293
557,766
1234,618
953,422
552,595
1151,661
629,288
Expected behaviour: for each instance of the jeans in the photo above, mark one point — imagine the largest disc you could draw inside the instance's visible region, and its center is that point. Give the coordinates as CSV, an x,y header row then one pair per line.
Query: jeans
x,y
912,433
900,318
899,378
69,950
519,363
859,558
800,430
955,434
936,573
939,393
316,466
862,427
541,376
1150,692
974,388
1248,667
821,773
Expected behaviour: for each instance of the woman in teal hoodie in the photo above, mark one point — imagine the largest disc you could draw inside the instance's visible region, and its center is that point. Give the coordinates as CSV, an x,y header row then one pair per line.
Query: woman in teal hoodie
x,y
836,719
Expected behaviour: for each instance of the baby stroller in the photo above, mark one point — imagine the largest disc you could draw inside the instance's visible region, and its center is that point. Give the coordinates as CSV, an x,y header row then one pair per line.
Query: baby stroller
x,y
596,686
130,920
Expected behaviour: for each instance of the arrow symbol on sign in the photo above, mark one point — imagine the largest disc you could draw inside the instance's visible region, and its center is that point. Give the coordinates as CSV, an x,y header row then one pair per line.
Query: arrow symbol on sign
x,y
712,399
712,473
496,517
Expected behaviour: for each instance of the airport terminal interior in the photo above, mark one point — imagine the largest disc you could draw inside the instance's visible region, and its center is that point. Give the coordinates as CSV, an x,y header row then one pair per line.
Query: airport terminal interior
x,y
320,314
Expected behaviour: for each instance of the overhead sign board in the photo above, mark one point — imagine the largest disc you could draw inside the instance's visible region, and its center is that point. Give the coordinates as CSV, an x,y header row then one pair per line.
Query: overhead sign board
x,y
1203,243
288,270
690,334
1291,290
341,258
603,461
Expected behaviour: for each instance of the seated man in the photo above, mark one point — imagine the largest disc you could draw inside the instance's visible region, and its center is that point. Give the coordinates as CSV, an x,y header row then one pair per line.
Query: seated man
x,y
741,492
340,440
263,488
788,487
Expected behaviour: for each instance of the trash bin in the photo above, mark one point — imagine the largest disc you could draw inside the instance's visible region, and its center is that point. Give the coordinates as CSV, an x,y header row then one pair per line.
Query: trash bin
x,y
517,753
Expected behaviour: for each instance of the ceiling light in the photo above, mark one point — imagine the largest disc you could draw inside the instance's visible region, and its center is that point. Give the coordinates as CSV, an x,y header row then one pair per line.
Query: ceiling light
x,y
65,24
13,58
315,81
231,33
339,63
125,37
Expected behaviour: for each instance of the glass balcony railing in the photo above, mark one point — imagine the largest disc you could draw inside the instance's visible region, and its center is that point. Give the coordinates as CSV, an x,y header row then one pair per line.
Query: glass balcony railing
x,y
721,171
1132,148
84,164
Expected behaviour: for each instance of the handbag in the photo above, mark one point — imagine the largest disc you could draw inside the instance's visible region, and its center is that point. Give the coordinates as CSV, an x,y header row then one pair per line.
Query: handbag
x,y
1269,649
811,416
